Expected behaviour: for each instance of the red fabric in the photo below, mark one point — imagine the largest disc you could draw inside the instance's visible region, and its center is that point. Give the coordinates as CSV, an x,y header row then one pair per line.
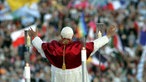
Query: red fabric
x,y
92,24
82,5
18,41
102,67
110,6
136,27
54,53
44,28
115,39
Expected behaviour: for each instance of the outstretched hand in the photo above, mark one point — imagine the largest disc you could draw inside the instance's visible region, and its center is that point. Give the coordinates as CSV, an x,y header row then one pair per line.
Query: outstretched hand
x,y
111,31
32,33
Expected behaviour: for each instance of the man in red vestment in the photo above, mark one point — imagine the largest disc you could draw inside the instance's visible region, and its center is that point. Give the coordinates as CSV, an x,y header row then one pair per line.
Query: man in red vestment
x,y
65,54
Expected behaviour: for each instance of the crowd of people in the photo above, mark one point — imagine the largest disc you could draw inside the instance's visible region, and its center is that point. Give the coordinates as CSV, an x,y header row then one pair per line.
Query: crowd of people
x,y
51,16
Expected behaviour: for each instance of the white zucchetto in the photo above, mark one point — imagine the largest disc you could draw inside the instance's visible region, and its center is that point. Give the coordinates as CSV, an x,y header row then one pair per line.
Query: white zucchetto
x,y
67,32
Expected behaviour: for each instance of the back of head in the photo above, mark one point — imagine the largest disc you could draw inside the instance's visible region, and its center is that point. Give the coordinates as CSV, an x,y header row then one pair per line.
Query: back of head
x,y
67,32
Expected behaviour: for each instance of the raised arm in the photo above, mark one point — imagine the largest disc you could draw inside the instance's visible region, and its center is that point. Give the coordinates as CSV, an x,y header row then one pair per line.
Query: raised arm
x,y
37,42
98,43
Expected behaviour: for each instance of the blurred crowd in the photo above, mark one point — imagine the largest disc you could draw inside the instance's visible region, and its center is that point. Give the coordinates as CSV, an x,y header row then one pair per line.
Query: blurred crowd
x,y
51,16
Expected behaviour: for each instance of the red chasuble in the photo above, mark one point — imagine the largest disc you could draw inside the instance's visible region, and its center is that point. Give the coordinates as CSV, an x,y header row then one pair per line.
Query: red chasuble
x,y
54,53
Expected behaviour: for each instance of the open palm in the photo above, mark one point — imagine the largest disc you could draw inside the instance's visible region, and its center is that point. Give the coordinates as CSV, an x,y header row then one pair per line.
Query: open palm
x,y
32,33
111,30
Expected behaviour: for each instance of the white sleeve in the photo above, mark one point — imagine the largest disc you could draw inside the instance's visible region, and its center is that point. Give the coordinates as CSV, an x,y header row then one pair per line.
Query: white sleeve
x,y
98,43
37,43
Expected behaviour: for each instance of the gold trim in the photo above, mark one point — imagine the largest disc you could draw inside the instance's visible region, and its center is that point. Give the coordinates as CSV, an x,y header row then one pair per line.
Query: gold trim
x,y
63,65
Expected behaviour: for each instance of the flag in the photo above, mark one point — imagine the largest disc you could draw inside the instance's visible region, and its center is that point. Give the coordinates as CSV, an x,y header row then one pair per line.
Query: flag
x,y
140,67
18,37
142,37
116,42
82,28
114,5
92,25
90,36
82,4
78,4
92,30
16,4
99,59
